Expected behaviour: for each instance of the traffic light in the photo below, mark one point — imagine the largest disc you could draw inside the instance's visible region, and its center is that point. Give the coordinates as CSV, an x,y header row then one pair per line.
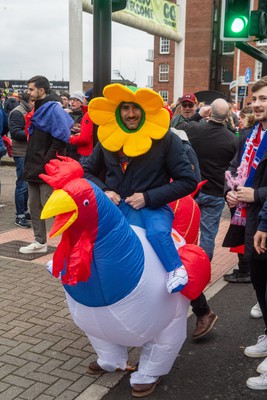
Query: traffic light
x,y
235,17
258,21
118,5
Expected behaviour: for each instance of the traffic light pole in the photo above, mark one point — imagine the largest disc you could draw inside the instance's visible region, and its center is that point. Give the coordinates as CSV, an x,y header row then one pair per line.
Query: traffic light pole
x,y
102,48
255,53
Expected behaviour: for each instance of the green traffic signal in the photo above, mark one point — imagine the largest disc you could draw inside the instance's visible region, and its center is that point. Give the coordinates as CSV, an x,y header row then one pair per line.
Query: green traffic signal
x,y
239,24
235,15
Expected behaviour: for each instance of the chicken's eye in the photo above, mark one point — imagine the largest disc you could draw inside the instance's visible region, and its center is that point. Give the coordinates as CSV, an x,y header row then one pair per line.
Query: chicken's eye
x,y
86,202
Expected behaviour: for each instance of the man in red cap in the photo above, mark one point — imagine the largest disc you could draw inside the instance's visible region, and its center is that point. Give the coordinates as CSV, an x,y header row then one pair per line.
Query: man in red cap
x,y
189,112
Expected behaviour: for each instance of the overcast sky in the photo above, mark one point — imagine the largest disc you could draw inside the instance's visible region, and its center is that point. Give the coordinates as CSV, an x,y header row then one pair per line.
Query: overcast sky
x,y
34,41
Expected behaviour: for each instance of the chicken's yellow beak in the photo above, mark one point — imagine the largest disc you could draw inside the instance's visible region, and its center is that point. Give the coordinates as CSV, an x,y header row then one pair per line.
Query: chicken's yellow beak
x,y
60,205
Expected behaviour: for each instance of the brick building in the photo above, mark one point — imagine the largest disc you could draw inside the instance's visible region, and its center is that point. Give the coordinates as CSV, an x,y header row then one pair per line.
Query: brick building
x,y
210,64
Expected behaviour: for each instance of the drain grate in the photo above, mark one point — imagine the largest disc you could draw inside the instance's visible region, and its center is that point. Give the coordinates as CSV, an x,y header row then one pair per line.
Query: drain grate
x,y
11,249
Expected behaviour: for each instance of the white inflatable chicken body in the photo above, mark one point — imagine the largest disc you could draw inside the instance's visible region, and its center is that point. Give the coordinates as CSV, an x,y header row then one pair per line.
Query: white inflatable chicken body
x,y
115,284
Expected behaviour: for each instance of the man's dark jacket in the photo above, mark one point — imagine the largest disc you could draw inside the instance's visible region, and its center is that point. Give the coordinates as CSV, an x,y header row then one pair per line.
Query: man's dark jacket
x,y
253,209
215,147
42,147
263,218
149,173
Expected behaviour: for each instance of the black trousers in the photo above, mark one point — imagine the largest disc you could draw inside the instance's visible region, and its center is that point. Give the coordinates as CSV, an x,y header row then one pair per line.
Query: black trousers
x,y
200,306
243,264
258,274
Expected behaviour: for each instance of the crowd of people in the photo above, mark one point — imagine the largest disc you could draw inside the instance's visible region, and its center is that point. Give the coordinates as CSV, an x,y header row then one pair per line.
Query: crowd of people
x,y
215,143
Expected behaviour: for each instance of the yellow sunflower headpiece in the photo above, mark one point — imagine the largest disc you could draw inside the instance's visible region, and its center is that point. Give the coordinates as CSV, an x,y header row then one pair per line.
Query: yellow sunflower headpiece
x,y
113,134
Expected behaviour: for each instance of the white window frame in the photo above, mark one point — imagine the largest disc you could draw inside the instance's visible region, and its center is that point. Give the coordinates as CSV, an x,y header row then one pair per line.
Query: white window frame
x,y
258,70
164,46
164,71
165,95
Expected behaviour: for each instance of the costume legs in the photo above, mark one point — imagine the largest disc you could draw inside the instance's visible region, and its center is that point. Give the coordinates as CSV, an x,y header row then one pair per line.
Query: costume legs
x,y
158,356
110,355
158,224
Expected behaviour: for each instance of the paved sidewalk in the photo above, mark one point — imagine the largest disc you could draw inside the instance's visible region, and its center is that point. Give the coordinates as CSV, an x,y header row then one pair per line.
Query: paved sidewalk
x,y
43,355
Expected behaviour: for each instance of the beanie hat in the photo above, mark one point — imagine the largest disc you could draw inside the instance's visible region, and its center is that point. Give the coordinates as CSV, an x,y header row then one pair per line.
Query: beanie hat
x,y
77,95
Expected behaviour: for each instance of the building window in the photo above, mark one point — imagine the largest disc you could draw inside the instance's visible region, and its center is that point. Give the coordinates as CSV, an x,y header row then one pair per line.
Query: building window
x,y
164,46
228,47
164,94
164,73
226,76
150,56
150,81
258,70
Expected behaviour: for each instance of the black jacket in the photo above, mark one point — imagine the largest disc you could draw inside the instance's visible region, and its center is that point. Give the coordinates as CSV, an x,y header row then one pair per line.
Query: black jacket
x,y
149,173
17,123
253,209
215,147
42,147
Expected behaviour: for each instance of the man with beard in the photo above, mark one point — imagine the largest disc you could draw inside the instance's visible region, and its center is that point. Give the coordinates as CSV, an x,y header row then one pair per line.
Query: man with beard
x,y
248,199
49,133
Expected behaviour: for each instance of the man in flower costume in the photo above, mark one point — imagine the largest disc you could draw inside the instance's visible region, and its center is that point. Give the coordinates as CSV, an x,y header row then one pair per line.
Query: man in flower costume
x,y
139,161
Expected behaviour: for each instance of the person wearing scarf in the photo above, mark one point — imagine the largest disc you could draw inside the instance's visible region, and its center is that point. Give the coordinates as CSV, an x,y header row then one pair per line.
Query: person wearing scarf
x,y
247,199
49,131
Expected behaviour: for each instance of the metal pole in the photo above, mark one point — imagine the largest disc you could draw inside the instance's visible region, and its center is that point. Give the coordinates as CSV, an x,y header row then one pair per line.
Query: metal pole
x,y
237,75
102,45
102,48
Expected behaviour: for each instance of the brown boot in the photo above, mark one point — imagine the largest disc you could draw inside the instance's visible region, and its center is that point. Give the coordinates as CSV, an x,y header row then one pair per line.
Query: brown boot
x,y
95,369
144,389
204,325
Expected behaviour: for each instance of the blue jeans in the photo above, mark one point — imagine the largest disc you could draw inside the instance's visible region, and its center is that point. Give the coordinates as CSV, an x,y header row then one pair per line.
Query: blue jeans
x,y
211,208
21,190
158,224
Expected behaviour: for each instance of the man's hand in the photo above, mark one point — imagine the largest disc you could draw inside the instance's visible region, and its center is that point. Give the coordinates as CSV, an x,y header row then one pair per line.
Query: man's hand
x,y
113,196
260,242
204,111
245,194
137,201
231,199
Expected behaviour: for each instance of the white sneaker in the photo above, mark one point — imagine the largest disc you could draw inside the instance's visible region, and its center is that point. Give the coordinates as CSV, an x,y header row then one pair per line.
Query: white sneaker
x,y
262,367
34,247
176,279
255,312
259,349
258,382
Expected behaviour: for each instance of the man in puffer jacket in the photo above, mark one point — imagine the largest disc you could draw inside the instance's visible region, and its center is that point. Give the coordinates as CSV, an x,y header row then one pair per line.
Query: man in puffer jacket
x,y
19,145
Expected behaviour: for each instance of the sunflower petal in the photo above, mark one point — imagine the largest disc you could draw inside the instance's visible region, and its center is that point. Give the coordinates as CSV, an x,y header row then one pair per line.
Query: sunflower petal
x,y
111,136
156,124
101,111
148,99
116,93
137,144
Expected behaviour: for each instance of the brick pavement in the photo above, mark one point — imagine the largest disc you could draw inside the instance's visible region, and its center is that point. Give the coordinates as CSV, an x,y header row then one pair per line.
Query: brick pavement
x,y
43,355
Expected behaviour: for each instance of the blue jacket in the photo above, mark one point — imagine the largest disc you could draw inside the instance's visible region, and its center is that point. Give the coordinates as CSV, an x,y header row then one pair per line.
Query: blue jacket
x,y
49,134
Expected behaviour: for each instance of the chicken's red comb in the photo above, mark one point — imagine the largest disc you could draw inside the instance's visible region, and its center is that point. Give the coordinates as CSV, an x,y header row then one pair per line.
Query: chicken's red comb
x,y
61,170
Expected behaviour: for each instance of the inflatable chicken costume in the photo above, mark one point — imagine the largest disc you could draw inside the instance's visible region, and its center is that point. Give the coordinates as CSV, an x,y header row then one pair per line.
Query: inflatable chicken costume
x,y
113,279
